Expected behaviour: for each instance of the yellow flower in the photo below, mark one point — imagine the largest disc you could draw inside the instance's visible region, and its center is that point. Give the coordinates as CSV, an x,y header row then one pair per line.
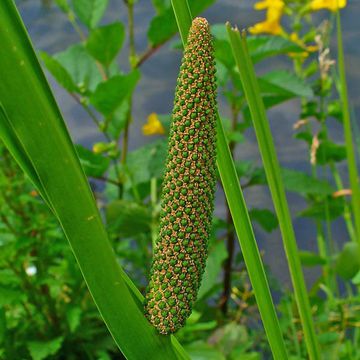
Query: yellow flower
x,y
331,5
266,4
153,126
271,25
308,48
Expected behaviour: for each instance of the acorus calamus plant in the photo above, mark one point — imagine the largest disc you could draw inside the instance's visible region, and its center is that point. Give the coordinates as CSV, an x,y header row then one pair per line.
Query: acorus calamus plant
x,y
188,189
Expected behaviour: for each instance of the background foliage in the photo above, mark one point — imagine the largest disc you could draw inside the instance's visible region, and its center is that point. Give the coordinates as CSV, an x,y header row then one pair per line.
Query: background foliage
x,y
41,286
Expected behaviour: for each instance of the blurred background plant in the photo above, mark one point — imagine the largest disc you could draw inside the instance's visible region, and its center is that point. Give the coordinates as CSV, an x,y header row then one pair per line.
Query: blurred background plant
x,y
45,308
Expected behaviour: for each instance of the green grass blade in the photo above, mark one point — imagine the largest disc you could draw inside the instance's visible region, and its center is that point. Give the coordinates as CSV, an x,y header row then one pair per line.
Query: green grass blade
x,y
17,150
272,169
350,151
240,217
36,126
248,245
183,18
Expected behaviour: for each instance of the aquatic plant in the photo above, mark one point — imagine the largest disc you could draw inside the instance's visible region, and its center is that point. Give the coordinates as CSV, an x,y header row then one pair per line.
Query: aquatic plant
x,y
188,188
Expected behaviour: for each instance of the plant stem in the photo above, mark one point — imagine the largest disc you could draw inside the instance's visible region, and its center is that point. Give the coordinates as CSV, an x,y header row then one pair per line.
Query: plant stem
x,y
322,249
321,243
106,179
130,8
293,327
132,61
83,39
103,73
273,174
350,153
147,54
347,211
107,137
76,27
92,116
125,143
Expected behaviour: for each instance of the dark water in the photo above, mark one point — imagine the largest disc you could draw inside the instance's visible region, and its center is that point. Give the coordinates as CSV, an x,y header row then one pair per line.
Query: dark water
x,y
50,31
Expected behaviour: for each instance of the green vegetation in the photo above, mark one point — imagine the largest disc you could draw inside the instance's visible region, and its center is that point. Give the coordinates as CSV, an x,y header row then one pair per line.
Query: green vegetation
x,y
144,232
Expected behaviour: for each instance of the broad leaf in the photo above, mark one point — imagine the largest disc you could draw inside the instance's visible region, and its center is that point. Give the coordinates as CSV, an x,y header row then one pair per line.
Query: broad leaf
x,y
217,255
105,42
147,162
40,350
80,66
118,120
301,183
90,11
309,258
283,82
348,261
254,175
128,218
222,50
265,218
161,5
356,278
110,94
329,152
262,47
93,164
10,294
73,317
229,337
269,102
58,72
203,351
240,354
319,210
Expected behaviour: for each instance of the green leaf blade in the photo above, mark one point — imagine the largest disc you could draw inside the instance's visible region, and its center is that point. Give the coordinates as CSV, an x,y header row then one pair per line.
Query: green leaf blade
x,y
163,26
275,181
39,126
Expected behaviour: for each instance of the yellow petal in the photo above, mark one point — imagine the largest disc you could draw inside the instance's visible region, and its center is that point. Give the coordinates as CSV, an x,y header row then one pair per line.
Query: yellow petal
x,y
273,14
266,27
294,37
153,126
266,4
312,48
331,5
